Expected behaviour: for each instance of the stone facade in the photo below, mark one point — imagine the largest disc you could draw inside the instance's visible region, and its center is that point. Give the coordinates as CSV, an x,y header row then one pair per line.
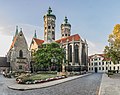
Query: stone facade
x,y
76,49
19,55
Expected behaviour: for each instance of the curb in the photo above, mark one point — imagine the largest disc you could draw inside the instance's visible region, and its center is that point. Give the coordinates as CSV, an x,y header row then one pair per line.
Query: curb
x,y
99,93
44,85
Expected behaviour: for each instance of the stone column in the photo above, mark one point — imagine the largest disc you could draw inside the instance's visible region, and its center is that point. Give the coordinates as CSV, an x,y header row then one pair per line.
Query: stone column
x,y
73,53
67,51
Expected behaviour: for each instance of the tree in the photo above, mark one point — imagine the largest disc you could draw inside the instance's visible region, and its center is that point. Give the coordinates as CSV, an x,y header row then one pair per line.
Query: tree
x,y
113,49
44,55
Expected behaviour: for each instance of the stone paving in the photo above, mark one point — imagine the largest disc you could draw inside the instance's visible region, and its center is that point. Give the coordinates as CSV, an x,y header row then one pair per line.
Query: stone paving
x,y
109,85
87,85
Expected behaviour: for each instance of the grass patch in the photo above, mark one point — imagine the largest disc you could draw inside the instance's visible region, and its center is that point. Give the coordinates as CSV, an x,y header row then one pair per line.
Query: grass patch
x,y
42,76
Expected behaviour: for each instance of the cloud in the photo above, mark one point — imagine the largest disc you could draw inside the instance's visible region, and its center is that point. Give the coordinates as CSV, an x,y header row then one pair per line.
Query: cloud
x,y
27,29
95,48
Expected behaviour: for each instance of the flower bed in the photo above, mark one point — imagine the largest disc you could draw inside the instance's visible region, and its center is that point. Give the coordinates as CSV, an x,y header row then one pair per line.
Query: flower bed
x,y
34,80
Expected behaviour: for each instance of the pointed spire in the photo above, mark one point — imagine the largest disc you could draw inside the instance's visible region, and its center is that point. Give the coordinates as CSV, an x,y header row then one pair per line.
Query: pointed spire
x,y
49,10
66,20
20,29
35,35
16,30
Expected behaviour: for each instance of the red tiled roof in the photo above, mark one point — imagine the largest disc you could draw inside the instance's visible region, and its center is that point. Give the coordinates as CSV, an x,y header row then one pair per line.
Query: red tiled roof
x,y
76,37
38,41
102,55
14,40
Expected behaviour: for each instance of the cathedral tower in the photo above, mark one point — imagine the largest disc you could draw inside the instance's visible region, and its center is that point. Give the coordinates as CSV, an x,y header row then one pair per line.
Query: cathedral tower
x,y
65,28
49,26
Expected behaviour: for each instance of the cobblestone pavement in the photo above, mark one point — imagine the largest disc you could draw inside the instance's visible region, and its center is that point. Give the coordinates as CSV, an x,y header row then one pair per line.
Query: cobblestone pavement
x,y
110,85
87,85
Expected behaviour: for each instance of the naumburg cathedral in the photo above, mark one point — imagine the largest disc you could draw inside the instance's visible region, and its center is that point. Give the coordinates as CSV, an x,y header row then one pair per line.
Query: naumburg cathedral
x,y
19,54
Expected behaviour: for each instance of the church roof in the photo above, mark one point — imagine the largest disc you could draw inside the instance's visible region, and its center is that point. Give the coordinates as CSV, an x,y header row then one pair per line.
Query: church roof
x,y
14,40
75,37
38,41
3,62
102,55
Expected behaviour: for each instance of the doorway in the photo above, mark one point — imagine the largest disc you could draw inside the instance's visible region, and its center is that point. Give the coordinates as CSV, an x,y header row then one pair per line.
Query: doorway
x,y
96,70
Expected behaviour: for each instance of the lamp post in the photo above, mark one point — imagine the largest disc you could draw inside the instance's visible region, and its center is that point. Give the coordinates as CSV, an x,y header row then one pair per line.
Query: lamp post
x,y
53,60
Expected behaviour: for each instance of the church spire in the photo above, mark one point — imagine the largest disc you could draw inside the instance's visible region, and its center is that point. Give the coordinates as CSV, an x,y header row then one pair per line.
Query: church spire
x,y
35,35
16,31
49,10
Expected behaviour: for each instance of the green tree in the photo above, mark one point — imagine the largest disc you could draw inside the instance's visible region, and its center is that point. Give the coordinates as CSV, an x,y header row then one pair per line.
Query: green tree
x,y
112,51
44,55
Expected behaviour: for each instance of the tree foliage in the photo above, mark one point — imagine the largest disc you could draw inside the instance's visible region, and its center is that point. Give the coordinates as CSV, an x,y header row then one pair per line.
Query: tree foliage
x,y
113,49
44,55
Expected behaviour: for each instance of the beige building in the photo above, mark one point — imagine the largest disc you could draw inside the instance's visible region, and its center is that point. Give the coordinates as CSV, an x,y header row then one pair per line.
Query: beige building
x,y
19,56
99,63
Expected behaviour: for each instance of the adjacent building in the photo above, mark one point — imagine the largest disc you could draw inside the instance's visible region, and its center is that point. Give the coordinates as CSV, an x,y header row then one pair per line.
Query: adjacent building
x,y
18,55
100,63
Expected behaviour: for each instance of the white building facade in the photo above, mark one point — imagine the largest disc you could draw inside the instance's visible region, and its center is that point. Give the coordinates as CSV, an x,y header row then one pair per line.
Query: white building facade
x,y
99,63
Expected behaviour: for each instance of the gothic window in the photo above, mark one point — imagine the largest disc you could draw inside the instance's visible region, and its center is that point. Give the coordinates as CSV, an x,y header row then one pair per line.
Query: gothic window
x,y
21,53
76,54
21,34
70,53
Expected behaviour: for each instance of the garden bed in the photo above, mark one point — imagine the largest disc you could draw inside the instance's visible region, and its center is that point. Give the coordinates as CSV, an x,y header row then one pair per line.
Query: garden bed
x,y
37,78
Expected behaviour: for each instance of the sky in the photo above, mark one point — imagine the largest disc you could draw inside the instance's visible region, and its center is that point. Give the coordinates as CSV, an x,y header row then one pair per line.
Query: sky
x,y
93,20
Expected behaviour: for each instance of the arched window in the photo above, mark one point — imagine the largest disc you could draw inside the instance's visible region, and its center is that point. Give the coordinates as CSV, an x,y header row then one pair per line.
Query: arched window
x,y
21,53
76,54
70,53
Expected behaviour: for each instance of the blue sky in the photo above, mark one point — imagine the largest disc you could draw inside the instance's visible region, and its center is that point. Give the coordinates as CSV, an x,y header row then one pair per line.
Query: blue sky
x,y
93,20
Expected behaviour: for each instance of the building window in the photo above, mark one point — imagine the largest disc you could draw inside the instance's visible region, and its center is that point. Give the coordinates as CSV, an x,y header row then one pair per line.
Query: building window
x,y
95,59
65,34
106,63
110,68
118,67
68,34
92,64
99,68
20,66
52,27
114,67
102,63
53,32
76,54
99,63
99,58
102,68
110,62
106,68
21,53
70,53
49,27
62,34
45,28
89,69
95,64
92,68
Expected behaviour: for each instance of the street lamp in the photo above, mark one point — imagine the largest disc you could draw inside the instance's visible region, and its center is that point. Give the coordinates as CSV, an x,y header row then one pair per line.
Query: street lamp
x,y
53,60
